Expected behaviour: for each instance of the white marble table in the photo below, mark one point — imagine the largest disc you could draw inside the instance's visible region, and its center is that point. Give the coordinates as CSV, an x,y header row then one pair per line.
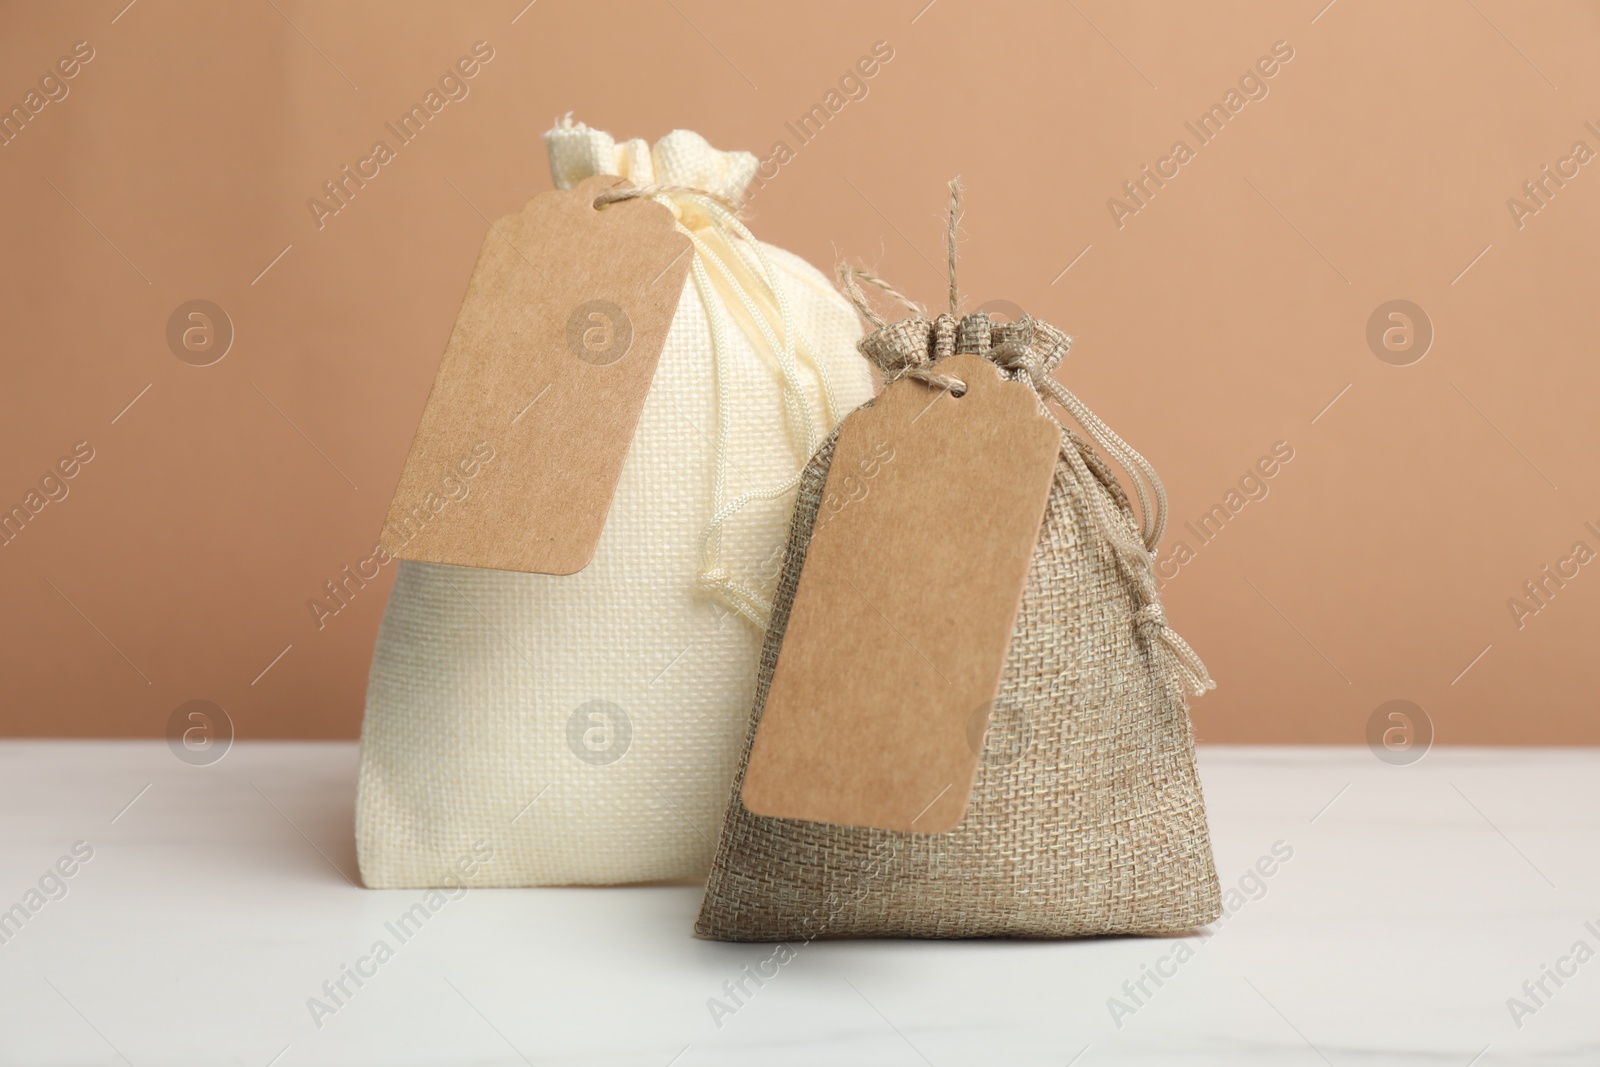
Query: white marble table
x,y
1417,901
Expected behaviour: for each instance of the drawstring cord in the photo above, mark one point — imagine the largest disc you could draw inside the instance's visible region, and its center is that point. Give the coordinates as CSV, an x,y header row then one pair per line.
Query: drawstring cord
x,y
786,351
911,347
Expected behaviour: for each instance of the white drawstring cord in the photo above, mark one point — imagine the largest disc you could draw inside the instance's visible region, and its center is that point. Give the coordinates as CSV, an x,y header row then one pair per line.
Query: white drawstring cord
x,y
738,595
793,397
730,221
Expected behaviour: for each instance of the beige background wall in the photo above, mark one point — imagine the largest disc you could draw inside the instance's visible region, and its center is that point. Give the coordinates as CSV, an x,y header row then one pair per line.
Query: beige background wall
x,y
1220,318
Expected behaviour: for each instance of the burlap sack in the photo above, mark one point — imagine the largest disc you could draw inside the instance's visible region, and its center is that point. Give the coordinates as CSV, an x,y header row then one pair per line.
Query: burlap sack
x,y
1087,816
585,726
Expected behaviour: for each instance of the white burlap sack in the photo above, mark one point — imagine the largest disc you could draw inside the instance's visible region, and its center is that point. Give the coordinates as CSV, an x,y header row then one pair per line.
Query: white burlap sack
x,y
587,727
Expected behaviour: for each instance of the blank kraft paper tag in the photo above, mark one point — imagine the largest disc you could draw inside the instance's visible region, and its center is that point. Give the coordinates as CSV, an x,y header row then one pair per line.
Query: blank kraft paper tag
x,y
893,652
534,406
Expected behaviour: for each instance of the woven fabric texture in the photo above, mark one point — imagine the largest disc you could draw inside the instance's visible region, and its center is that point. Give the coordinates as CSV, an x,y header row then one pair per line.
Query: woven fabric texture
x,y
1086,817
586,726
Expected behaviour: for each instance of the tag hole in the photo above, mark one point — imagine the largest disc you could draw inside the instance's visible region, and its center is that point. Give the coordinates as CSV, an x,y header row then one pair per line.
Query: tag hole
x,y
958,389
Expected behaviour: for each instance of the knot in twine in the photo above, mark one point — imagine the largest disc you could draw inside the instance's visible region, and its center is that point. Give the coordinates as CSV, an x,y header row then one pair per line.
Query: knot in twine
x,y
678,168
691,205
1029,350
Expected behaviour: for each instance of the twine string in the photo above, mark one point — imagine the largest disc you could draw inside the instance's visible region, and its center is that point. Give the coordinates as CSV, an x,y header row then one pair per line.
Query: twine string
x,y
954,216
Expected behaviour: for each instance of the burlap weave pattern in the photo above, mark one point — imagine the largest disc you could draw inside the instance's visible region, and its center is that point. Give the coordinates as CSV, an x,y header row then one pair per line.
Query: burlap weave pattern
x,y
1087,816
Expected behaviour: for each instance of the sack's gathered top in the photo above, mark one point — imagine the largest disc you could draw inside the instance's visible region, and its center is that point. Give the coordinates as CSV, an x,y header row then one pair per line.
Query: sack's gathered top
x,y
704,189
1029,350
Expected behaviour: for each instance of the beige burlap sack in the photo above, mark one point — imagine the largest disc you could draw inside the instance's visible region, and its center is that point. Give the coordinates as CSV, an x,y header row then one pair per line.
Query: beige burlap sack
x,y
1087,816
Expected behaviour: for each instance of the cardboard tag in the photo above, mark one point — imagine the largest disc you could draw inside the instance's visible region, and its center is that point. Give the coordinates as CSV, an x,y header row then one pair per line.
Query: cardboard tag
x,y
904,611
534,406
